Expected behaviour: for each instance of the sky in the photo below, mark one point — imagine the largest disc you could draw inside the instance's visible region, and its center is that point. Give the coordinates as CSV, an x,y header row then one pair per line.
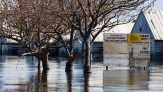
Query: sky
x,y
158,5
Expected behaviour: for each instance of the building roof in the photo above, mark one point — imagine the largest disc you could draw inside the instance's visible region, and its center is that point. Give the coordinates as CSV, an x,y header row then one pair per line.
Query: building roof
x,y
120,29
155,21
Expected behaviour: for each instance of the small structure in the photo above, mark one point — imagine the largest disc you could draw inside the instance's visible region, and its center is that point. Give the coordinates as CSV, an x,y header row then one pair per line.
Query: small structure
x,y
151,22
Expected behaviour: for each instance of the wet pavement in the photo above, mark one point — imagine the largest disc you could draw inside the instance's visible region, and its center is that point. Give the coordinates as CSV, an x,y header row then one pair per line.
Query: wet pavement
x,y
20,74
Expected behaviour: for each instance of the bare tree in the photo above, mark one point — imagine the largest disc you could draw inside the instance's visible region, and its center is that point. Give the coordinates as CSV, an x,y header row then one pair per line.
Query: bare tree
x,y
35,23
90,17
31,24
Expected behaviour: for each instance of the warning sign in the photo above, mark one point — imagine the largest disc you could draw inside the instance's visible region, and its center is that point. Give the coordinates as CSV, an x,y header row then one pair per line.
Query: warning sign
x,y
140,51
134,38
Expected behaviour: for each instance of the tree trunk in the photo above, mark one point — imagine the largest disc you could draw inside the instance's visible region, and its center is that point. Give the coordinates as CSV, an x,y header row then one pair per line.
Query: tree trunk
x,y
69,81
69,64
87,64
45,65
86,82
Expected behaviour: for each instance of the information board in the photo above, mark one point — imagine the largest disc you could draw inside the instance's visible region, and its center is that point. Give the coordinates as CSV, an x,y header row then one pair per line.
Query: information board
x,y
115,43
115,49
126,49
140,51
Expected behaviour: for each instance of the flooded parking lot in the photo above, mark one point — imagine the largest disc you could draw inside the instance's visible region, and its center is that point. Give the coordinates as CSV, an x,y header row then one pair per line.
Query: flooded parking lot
x,y
21,75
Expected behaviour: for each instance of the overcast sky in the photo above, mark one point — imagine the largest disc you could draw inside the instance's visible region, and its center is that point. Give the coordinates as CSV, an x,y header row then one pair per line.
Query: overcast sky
x,y
158,5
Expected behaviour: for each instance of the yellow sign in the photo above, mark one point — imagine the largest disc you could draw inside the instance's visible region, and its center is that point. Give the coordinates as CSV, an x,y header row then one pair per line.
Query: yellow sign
x,y
134,38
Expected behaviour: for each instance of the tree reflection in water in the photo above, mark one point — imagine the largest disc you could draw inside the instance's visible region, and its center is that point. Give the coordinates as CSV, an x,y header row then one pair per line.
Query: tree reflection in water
x,y
86,82
69,81
42,81
69,77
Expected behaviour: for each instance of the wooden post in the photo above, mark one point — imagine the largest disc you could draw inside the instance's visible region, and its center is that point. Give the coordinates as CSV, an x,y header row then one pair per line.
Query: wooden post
x,y
107,67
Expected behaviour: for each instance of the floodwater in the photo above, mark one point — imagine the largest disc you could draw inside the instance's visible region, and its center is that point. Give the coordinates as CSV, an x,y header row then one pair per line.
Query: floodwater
x,y
20,74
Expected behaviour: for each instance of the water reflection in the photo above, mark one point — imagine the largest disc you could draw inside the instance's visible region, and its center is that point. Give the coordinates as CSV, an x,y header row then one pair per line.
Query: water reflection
x,y
41,82
2,61
14,76
86,82
69,81
126,79
138,79
21,75
44,80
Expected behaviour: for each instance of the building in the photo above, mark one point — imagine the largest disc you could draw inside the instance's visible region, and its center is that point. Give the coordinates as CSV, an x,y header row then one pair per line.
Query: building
x,y
151,22
119,29
97,46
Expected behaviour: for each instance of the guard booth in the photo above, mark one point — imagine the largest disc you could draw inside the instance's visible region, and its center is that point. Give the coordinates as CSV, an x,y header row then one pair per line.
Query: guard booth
x,y
139,51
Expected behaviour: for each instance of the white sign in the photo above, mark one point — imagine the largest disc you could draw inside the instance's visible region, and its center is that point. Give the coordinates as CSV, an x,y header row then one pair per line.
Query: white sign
x,y
115,37
141,49
118,48
113,60
140,52
115,43
115,49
